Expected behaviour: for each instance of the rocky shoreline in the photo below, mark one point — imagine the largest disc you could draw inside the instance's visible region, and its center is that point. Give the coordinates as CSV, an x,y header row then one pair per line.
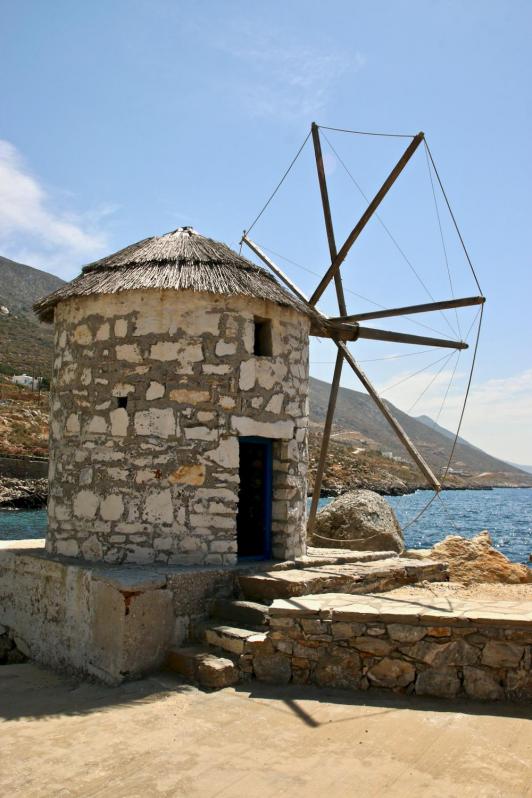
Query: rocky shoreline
x,y
396,490
23,494
355,469
32,494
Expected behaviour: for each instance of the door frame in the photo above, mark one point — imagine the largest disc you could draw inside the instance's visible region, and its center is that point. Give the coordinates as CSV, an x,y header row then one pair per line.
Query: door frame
x,y
267,494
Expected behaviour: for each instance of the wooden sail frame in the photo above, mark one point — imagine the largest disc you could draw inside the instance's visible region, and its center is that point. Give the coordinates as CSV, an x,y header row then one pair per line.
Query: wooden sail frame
x,y
345,327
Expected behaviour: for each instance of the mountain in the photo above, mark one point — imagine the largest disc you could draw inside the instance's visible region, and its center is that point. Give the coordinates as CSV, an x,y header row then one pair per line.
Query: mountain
x,y
26,345
21,285
434,425
527,468
358,420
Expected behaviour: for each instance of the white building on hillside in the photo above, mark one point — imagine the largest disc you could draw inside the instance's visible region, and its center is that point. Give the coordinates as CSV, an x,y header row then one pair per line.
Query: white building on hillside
x,y
26,381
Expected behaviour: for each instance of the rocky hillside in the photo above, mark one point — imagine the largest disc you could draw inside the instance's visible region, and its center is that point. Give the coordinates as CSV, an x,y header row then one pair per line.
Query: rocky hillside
x,y
25,343
360,427
350,467
23,421
21,285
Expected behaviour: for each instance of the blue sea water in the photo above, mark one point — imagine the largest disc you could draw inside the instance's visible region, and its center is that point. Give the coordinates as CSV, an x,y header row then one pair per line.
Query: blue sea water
x,y
505,512
22,524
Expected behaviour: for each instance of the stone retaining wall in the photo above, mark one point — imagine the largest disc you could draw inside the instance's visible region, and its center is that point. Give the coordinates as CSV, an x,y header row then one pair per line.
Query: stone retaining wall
x,y
478,649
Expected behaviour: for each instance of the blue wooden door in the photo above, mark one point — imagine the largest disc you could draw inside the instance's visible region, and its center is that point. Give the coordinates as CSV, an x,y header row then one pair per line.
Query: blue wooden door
x,y
254,517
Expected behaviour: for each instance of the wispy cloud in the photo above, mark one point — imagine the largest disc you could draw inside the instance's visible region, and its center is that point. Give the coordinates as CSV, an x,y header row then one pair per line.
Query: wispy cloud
x,y
33,231
498,417
283,77
420,393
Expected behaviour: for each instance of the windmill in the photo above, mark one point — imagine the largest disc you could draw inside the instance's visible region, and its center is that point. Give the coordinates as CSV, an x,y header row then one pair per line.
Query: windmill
x,y
347,327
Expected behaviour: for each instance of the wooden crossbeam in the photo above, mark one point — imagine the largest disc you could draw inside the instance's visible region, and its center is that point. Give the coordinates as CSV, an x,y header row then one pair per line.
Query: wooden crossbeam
x,y
411,309
406,338
366,216
343,332
390,418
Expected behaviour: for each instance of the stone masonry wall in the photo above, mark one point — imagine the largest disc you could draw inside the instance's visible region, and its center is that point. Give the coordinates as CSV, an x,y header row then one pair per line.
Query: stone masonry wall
x,y
151,390
483,656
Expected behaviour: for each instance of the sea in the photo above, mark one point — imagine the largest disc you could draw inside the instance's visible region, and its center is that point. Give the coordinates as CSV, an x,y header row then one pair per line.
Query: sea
x,y
505,512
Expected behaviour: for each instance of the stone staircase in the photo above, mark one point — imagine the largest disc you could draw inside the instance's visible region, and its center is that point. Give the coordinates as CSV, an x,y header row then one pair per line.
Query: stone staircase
x,y
226,643
231,644
374,576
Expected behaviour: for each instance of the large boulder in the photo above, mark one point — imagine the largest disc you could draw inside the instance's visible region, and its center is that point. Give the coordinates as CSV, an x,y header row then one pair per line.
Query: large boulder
x,y
360,520
476,560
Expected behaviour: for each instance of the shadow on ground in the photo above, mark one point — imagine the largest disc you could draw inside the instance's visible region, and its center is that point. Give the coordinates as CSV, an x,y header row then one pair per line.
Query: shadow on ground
x,y
30,691
291,697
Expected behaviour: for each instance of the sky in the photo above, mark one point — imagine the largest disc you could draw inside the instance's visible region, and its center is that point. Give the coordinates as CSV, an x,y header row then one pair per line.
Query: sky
x,y
128,118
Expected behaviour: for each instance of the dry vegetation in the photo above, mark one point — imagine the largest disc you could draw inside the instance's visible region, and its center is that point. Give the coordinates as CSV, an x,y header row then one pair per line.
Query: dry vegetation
x,y
25,347
23,421
352,466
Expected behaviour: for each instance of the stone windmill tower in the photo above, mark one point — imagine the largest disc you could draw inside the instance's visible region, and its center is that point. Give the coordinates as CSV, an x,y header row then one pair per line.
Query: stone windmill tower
x,y
180,396
179,408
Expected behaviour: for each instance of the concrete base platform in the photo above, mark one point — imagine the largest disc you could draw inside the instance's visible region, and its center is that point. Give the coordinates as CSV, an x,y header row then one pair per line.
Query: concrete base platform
x,y
161,737
118,622
105,621
82,620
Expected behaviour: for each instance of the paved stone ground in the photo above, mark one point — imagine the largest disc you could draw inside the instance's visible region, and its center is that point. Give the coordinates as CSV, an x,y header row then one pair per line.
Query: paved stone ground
x,y
159,737
480,590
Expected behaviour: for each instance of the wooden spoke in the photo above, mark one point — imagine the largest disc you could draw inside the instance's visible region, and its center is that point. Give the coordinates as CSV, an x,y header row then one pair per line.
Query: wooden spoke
x,y
320,469
366,216
327,216
411,309
318,320
322,320
275,269
406,338
390,418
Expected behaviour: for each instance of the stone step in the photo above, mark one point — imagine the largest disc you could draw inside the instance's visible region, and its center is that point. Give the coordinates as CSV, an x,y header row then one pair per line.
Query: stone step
x,y
246,613
319,556
199,665
234,639
370,577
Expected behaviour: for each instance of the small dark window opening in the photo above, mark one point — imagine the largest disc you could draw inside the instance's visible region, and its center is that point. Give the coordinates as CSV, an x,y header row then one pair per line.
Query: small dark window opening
x,y
121,401
263,338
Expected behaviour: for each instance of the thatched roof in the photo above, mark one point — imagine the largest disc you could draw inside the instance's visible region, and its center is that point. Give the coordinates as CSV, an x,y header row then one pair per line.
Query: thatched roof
x,y
182,259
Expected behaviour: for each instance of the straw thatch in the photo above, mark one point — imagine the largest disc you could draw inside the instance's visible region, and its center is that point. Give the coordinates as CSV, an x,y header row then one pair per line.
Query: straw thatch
x,y
182,259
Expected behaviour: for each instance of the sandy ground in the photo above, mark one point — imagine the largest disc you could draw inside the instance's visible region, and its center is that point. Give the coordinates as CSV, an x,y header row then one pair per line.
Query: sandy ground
x,y
159,737
482,590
